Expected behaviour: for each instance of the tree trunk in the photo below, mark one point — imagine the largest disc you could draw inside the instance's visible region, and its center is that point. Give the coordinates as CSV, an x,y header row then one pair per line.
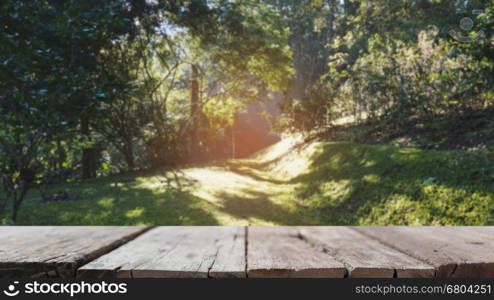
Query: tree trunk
x,y
61,159
88,154
24,186
234,145
129,154
3,204
195,112
330,34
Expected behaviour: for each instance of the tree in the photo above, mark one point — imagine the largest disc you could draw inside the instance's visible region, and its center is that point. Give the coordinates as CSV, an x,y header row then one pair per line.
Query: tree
x,y
81,77
49,79
120,119
378,64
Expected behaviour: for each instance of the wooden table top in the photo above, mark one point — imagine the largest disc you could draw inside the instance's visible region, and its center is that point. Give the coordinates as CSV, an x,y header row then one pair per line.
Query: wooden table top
x,y
255,252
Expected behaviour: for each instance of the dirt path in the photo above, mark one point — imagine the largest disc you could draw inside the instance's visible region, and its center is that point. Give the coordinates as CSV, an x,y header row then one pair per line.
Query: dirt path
x,y
255,191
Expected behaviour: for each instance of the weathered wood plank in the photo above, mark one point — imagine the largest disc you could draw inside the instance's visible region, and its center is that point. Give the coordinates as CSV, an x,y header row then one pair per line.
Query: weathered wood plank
x,y
363,256
175,252
280,252
485,230
56,251
454,252
231,260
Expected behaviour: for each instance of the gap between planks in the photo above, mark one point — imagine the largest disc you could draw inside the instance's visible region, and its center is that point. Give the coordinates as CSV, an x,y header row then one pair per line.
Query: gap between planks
x,y
57,251
462,252
175,252
248,251
365,257
326,252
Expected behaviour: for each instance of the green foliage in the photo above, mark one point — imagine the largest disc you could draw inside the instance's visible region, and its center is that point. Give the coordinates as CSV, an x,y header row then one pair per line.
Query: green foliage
x,y
92,88
48,78
399,61
400,82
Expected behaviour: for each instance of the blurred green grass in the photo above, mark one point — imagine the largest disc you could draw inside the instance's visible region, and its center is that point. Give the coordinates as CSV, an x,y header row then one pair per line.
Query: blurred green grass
x,y
320,183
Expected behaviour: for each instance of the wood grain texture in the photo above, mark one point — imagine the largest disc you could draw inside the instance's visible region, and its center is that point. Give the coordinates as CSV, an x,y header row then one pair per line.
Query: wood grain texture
x,y
56,251
231,260
271,251
453,251
280,252
487,231
193,252
365,257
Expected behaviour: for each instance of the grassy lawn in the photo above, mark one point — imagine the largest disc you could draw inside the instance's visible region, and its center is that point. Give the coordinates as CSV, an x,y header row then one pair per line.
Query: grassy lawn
x,y
316,184
383,185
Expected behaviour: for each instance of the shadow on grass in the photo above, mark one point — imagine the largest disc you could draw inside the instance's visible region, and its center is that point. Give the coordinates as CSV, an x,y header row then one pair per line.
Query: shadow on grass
x,y
260,206
114,201
385,185
260,165
249,171
176,179
445,131
347,184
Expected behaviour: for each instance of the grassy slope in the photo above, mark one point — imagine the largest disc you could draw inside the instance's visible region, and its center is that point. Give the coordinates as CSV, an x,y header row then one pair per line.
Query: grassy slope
x,y
382,185
319,183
